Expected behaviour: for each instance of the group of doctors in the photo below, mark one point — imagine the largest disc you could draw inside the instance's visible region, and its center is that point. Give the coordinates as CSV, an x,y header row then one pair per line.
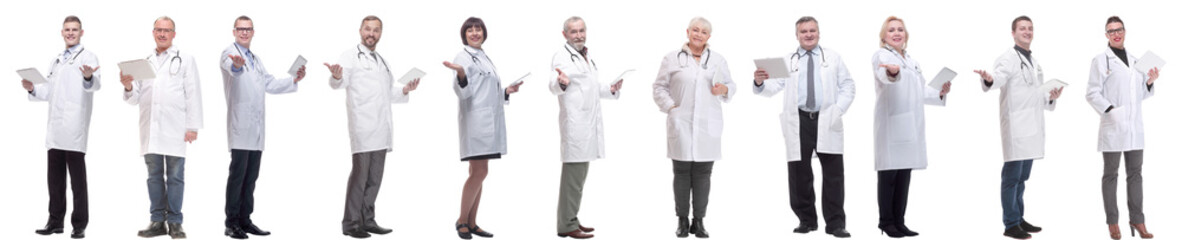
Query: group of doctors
x,y
691,85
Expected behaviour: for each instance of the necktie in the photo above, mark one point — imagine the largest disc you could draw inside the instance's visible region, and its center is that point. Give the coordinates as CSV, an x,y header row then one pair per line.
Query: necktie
x,y
811,101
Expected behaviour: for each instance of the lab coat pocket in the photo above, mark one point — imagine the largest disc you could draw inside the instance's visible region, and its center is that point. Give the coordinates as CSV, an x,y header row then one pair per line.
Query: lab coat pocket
x,y
676,123
902,129
791,126
1025,122
714,125
835,123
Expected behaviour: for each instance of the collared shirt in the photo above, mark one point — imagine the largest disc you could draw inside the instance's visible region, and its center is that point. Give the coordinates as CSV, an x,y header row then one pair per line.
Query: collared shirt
x,y
802,80
1120,53
70,97
1024,52
246,54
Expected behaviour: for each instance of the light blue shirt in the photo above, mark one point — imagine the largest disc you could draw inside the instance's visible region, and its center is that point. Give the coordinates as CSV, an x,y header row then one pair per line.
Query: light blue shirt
x,y
69,54
802,80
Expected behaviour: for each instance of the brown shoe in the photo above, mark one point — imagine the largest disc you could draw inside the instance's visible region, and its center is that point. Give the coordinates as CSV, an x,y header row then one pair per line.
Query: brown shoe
x,y
576,234
1114,231
586,229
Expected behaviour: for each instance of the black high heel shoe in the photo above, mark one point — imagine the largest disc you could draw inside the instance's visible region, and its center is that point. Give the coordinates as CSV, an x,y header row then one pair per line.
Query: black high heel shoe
x,y
475,230
906,231
463,235
892,232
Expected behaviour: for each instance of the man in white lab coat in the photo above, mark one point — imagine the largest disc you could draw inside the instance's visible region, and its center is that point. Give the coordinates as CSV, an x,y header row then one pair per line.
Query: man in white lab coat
x,y
817,93
73,79
246,81
170,115
580,121
1018,76
370,88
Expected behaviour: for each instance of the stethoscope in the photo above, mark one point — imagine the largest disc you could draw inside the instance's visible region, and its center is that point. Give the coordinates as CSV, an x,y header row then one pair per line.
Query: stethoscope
x,y
574,59
53,68
173,68
476,60
795,60
361,54
685,62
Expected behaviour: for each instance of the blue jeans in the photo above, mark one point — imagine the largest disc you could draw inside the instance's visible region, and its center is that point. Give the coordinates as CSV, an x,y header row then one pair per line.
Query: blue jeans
x,y
166,201
1013,184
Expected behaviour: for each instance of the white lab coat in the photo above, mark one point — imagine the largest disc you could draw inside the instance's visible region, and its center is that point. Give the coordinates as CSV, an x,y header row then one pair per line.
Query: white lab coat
x,y
482,105
900,138
1023,130
1123,88
836,95
170,104
694,127
579,118
70,100
245,105
369,91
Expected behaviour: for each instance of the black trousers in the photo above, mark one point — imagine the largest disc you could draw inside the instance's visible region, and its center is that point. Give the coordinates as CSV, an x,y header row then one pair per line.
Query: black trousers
x,y
802,198
892,196
61,161
244,171
691,180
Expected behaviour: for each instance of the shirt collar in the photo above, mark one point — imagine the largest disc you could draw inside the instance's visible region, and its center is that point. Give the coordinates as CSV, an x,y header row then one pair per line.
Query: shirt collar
x,y
170,51
1024,52
244,50
686,48
572,49
473,50
802,51
75,49
364,49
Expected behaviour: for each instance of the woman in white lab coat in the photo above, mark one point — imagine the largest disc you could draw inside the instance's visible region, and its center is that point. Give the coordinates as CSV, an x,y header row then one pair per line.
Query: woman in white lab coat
x,y
1017,74
1115,91
482,119
691,86
899,135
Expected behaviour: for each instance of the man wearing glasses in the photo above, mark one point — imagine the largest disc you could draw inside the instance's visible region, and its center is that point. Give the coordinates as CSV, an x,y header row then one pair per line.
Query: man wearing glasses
x,y
246,81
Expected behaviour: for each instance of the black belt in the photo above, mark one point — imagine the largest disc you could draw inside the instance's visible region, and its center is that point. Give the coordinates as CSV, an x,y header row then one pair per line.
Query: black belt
x,y
811,115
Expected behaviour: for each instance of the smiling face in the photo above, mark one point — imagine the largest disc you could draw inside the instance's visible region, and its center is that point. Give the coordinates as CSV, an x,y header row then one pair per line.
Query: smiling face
x,y
698,35
243,32
1023,34
808,34
475,36
1116,34
72,33
896,35
164,31
576,34
371,33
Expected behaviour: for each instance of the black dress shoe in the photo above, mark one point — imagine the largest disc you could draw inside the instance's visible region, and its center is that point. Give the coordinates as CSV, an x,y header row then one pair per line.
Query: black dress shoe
x,y
176,231
50,229
356,233
1016,232
839,232
906,231
1030,228
475,230
804,228
699,229
891,231
254,230
683,227
377,229
78,233
463,226
235,232
154,229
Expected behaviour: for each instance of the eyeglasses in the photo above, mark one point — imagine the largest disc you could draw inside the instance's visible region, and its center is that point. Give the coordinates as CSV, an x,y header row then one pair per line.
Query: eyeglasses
x,y
244,29
162,30
1115,31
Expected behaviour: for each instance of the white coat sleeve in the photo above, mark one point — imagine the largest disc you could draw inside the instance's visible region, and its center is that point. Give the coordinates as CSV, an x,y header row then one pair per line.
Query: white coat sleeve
x,y
726,80
1148,91
277,85
40,92
193,111
227,64
556,63
1003,70
132,97
1050,105
845,87
605,91
770,87
396,94
1095,91
661,94
469,68
931,94
95,82
880,73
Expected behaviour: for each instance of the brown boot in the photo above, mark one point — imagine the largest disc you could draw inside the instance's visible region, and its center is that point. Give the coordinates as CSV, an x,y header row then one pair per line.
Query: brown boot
x,y
1140,228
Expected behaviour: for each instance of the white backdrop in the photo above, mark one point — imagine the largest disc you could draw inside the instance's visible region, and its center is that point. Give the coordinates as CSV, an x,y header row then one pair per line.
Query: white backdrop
x,y
301,189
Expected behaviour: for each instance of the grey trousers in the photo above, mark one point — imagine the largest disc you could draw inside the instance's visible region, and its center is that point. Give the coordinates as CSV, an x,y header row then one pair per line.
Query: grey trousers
x,y
364,182
691,180
570,195
1133,160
